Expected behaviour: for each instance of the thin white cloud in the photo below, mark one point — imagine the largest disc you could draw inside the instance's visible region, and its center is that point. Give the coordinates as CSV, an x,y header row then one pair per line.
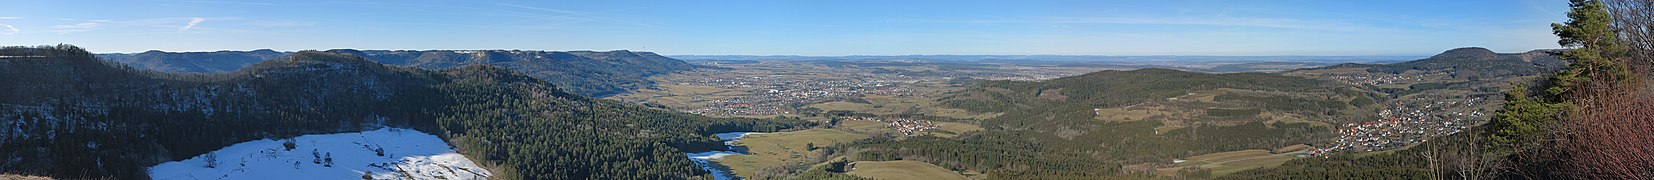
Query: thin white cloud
x,y
191,25
279,22
77,27
1205,21
11,29
85,25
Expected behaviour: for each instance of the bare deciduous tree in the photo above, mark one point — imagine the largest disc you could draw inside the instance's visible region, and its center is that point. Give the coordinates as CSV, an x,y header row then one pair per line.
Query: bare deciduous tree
x,y
1634,21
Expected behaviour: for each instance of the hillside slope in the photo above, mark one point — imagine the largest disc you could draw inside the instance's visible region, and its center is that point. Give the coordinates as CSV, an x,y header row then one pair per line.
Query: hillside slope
x,y
388,153
68,114
589,73
1068,128
1065,112
199,62
1469,62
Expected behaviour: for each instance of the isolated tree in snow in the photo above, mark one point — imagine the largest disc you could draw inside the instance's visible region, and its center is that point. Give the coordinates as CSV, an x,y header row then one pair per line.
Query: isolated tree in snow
x,y
318,159
289,144
212,160
329,160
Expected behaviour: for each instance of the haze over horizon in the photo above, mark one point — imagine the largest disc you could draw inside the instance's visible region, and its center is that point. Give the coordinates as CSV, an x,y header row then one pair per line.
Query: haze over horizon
x,y
1390,28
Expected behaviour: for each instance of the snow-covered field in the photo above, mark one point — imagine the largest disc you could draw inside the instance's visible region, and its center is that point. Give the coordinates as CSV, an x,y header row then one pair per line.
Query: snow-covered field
x,y
704,159
407,154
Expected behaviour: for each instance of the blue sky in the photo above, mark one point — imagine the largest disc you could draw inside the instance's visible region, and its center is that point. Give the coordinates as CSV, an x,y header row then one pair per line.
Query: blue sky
x,y
1396,27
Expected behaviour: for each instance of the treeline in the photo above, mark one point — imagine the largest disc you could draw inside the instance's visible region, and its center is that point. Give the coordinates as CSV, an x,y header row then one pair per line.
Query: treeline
x,y
1291,104
595,74
999,156
1048,130
587,73
68,114
1112,88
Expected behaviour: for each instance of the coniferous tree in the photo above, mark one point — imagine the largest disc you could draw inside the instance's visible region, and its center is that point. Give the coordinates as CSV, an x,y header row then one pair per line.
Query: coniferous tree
x,y
211,160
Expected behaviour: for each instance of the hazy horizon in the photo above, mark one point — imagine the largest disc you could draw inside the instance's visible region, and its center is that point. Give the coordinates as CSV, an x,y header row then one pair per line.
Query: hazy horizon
x,y
1218,28
797,55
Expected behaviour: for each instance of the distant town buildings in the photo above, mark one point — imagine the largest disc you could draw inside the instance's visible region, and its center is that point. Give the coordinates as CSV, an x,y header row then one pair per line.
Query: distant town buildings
x,y
1406,123
906,126
776,94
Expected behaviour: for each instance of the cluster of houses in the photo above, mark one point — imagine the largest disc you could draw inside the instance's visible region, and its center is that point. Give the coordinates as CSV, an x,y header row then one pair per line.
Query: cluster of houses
x,y
1375,78
906,126
775,94
1406,124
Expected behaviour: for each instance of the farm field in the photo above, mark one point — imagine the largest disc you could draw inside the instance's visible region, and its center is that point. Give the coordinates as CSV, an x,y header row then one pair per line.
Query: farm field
x,y
775,148
1224,163
902,170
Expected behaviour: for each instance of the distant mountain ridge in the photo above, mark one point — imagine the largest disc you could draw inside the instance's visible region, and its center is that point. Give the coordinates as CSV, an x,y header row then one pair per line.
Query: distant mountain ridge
x,y
589,73
1471,61
1466,52
67,114
1060,58
198,62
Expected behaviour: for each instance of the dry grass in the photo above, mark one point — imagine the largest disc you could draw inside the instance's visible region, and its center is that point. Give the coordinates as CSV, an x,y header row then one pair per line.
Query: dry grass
x,y
691,89
776,148
1228,156
1291,119
1224,163
902,170
953,129
1293,148
1167,128
841,105
22,177
1138,113
863,127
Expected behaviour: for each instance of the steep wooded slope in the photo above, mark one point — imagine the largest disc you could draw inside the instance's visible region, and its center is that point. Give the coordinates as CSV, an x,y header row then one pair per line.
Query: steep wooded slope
x,y
68,114
589,73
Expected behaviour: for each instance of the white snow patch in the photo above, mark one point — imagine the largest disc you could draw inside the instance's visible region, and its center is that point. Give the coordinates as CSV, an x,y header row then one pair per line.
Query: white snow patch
x,y
409,154
704,159
730,137
729,140
709,155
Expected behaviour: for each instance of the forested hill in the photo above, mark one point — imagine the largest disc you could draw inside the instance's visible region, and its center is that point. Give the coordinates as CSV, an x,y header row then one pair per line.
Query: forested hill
x,y
1111,88
68,114
1090,126
1472,61
589,73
